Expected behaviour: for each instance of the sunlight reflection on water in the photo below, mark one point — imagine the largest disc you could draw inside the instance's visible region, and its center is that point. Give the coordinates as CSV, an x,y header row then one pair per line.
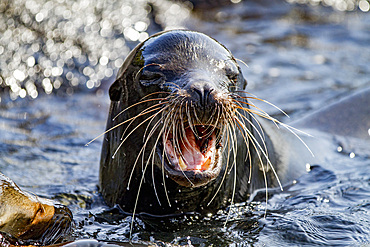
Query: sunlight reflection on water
x,y
47,45
311,54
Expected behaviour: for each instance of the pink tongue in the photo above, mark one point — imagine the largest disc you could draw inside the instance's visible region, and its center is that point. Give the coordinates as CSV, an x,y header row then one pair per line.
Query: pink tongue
x,y
197,153
192,155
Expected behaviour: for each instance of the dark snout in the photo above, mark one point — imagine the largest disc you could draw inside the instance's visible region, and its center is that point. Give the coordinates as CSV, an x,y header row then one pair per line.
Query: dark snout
x,y
202,93
202,96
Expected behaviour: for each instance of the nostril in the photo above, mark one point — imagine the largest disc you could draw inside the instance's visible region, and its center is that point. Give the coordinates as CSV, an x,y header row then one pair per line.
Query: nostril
x,y
199,92
207,93
204,94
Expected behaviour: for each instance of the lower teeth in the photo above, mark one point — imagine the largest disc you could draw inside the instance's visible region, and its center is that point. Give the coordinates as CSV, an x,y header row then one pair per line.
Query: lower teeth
x,y
182,164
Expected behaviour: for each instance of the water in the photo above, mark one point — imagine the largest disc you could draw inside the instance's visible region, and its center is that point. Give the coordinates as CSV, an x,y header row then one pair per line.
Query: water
x,y
54,100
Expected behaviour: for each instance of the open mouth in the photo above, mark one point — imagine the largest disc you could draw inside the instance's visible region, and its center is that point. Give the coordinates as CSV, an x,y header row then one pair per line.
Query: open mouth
x,y
192,155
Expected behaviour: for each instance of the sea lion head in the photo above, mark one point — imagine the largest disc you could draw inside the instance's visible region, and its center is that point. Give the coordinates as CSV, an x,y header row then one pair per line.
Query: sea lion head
x,y
188,82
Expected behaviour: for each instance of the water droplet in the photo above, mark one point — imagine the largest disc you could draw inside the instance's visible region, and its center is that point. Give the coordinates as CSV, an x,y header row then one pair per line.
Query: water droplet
x,y
39,17
308,167
364,5
19,75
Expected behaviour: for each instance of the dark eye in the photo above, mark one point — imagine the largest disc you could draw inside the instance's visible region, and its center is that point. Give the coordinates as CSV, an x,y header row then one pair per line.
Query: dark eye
x,y
232,73
233,78
148,78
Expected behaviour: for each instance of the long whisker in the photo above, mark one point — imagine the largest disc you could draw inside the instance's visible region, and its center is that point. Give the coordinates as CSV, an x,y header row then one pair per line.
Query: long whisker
x,y
161,132
191,125
265,101
263,114
183,131
173,85
165,154
144,112
233,166
263,150
237,59
275,121
177,144
254,143
153,181
129,134
144,136
151,155
136,104
291,129
166,107
196,115
227,160
259,130
142,149
141,69
140,184
178,100
245,138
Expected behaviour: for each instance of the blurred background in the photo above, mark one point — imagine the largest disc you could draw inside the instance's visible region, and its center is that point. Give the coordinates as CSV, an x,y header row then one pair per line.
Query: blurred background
x,y
59,57
66,46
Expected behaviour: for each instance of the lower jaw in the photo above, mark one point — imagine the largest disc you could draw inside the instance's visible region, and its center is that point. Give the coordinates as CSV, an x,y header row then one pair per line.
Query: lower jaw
x,y
192,178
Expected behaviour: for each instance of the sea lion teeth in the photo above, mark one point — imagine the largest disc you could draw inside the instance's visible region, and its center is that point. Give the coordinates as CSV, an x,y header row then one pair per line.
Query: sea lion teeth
x,y
182,164
206,164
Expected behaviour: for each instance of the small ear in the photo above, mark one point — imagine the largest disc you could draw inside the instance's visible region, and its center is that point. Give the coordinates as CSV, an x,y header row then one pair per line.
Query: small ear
x,y
245,84
115,91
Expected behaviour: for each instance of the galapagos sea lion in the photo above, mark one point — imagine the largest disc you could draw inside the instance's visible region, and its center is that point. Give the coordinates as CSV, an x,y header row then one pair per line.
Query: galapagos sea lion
x,y
182,135
28,219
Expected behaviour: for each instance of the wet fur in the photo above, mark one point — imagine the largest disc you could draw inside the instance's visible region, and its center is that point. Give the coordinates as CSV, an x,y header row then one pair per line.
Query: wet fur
x,y
132,172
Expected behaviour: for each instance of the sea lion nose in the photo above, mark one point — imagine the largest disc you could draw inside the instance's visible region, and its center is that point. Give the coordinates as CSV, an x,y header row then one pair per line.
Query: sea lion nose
x,y
202,93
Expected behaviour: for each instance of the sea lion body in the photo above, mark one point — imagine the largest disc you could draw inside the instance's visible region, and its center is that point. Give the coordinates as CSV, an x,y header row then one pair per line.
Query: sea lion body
x,y
348,117
28,219
199,84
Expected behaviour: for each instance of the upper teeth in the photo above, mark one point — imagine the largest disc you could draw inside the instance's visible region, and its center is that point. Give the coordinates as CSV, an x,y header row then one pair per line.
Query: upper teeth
x,y
182,164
